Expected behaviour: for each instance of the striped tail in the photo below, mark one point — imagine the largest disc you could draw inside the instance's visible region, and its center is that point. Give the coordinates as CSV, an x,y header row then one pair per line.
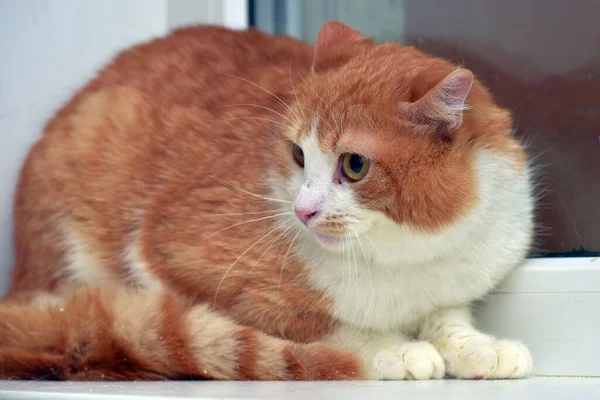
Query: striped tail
x,y
121,334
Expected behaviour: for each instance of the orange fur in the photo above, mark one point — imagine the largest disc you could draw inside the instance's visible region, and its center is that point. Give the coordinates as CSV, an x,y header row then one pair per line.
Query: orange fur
x,y
141,171
114,333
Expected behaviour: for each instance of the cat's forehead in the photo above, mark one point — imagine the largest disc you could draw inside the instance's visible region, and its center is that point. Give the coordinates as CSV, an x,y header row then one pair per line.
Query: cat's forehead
x,y
319,158
364,130
349,115
322,134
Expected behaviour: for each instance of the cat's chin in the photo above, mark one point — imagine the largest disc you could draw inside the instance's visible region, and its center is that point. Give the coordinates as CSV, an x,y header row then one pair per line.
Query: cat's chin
x,y
328,241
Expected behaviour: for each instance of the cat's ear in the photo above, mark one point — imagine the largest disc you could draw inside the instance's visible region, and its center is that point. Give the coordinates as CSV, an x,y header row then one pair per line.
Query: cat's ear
x,y
331,46
444,104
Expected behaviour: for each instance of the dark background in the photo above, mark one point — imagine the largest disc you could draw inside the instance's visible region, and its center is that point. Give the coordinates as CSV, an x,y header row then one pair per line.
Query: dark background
x,y
540,58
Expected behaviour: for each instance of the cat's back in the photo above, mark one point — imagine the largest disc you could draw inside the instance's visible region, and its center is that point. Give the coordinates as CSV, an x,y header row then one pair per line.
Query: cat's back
x,y
196,62
198,94
201,66
202,99
199,90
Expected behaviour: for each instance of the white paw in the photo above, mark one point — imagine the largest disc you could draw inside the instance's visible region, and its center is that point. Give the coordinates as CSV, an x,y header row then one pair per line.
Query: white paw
x,y
514,360
411,360
500,359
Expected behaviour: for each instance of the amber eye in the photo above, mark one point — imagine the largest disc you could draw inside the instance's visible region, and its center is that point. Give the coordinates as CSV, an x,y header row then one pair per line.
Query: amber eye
x,y
354,166
298,155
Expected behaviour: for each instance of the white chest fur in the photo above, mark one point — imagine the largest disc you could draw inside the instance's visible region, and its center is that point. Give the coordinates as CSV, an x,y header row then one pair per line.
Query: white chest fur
x,y
376,297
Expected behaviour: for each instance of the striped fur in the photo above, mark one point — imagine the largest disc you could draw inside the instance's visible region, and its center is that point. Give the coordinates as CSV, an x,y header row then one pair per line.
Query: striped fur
x,y
114,333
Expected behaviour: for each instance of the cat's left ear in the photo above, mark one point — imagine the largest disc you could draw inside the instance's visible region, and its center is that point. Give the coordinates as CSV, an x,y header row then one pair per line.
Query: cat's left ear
x,y
331,48
444,104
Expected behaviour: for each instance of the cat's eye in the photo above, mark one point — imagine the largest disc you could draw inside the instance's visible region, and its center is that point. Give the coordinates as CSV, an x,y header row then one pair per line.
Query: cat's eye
x,y
298,155
354,166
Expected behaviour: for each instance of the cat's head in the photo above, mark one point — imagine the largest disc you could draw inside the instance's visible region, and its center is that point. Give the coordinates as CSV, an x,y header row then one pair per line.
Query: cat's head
x,y
384,138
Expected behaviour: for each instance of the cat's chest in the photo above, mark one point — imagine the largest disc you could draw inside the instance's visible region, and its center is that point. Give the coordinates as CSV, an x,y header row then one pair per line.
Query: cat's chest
x,y
383,298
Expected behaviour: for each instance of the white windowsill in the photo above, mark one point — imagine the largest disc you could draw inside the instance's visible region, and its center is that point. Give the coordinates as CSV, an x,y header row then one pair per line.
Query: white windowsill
x,y
554,275
534,388
552,305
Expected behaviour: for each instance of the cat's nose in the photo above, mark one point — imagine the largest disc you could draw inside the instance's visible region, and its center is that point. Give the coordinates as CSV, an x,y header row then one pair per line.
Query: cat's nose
x,y
306,214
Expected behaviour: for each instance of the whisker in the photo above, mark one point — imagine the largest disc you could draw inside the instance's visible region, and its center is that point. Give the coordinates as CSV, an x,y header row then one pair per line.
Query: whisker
x,y
344,115
232,214
346,239
239,258
276,238
357,301
319,118
246,222
328,106
263,119
566,210
292,82
263,88
317,114
32,381
382,259
371,286
265,252
284,259
248,192
276,141
257,106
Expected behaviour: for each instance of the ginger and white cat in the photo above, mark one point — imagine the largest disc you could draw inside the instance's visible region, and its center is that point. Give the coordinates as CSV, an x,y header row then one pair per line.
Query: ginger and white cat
x,y
233,205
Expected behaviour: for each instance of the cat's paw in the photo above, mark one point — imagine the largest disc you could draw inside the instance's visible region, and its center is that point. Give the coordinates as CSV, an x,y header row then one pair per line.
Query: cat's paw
x,y
411,360
500,359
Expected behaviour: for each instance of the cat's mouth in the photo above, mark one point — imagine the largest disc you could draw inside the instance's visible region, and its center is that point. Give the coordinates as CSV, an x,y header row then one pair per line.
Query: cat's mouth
x,y
330,237
331,231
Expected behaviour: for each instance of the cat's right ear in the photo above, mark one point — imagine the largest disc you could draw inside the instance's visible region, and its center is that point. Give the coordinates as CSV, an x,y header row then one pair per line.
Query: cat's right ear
x,y
444,104
331,48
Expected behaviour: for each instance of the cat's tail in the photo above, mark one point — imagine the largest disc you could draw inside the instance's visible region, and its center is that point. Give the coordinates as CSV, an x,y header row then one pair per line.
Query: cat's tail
x,y
120,334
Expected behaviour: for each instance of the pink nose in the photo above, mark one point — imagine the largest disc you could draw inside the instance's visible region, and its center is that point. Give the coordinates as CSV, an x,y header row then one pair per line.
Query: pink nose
x,y
306,214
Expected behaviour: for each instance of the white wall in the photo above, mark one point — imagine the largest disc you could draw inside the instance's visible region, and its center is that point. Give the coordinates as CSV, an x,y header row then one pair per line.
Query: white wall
x,y
50,48
231,13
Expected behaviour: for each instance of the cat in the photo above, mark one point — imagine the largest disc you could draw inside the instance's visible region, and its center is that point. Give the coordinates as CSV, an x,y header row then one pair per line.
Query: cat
x,y
222,204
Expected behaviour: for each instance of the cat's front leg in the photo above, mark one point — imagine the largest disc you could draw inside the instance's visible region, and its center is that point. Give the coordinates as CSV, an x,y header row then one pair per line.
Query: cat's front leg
x,y
391,356
471,354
